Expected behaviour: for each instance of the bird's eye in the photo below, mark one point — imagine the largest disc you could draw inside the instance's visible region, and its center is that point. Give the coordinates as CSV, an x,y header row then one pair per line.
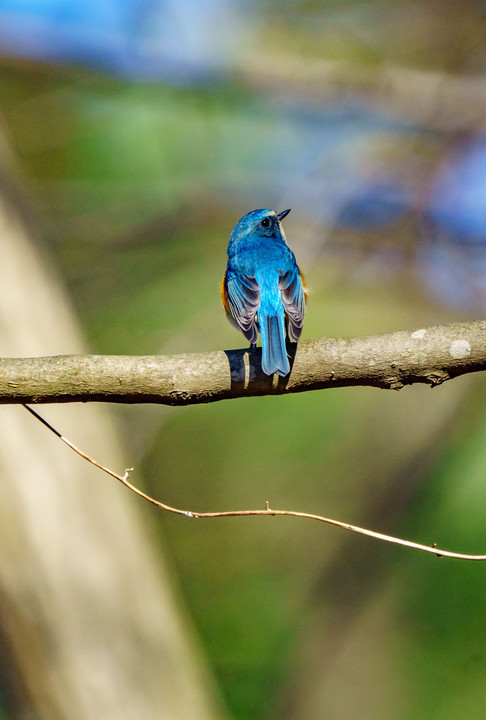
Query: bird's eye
x,y
265,222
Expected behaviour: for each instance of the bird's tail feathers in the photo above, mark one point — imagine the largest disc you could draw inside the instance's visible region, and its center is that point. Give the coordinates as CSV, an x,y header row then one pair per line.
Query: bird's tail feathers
x,y
274,351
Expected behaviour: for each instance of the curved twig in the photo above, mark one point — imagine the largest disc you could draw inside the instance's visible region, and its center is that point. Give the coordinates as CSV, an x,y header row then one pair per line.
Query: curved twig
x,y
267,511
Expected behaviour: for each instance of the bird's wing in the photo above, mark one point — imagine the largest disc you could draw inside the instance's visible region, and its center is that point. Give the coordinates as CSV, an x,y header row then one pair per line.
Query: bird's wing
x,y
242,295
294,296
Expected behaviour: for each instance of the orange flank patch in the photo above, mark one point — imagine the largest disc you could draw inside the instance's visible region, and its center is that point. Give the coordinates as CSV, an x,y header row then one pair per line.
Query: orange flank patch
x,y
306,292
224,295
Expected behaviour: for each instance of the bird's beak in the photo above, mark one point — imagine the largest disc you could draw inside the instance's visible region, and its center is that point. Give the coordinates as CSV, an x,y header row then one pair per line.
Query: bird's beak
x,y
283,214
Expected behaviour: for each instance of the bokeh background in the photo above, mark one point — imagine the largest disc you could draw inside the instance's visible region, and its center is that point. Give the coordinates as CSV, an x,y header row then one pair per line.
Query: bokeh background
x,y
133,135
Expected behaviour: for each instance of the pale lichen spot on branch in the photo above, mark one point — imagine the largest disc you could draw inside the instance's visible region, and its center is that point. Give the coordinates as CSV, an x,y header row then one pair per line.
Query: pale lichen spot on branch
x,y
460,349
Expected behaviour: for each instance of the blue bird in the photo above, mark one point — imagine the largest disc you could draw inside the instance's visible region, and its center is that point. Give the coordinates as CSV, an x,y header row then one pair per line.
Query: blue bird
x,y
263,288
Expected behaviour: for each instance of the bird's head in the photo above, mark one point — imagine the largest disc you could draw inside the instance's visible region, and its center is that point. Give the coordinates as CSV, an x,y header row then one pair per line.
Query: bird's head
x,y
260,223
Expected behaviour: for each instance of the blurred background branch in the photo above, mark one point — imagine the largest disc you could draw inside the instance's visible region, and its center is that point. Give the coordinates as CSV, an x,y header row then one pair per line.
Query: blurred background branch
x,y
440,101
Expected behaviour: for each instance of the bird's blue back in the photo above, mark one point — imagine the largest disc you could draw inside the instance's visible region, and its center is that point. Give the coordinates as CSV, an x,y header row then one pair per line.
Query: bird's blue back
x,y
263,287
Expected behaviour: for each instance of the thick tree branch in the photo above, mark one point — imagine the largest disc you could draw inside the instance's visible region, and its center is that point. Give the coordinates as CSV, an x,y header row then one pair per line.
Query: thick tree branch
x,y
429,356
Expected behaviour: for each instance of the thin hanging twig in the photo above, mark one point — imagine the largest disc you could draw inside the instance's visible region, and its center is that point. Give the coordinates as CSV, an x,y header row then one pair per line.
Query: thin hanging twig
x,y
267,511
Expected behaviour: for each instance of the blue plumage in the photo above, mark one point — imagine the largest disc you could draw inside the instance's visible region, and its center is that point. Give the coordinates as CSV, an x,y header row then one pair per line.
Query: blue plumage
x,y
263,288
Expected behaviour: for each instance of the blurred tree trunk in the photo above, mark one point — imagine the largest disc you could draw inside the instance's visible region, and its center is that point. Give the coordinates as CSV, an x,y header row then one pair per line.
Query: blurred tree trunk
x,y
89,623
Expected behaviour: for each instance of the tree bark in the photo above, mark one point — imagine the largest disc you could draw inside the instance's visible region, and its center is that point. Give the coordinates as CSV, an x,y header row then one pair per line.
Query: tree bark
x,y
429,356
